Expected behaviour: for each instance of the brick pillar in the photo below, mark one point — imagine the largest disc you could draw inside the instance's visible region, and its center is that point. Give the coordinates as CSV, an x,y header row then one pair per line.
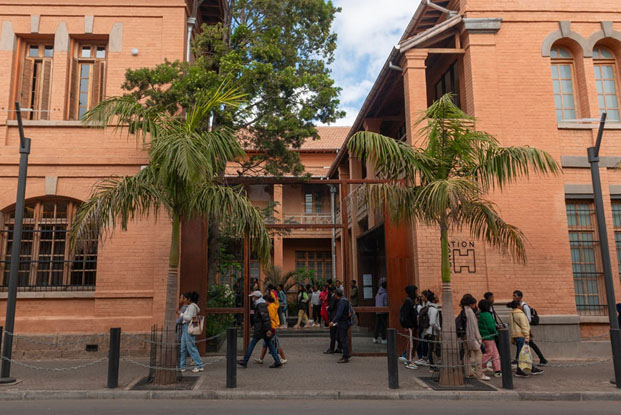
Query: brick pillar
x,y
415,90
355,172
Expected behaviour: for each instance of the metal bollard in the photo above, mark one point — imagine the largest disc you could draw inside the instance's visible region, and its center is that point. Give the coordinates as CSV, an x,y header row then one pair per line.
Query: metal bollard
x,y
505,358
114,355
231,357
393,362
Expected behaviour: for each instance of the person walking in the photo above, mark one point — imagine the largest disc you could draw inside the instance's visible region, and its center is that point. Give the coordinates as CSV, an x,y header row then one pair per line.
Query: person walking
x,y
381,318
188,341
272,309
489,334
302,307
316,304
342,322
474,366
179,325
262,331
283,306
408,317
520,333
518,296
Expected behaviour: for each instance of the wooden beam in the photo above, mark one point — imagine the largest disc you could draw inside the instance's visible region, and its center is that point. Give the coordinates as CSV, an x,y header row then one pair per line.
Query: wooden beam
x,y
447,51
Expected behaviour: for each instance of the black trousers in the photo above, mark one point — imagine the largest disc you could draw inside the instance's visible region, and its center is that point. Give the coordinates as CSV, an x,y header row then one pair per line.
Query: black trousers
x,y
342,332
335,339
381,323
317,313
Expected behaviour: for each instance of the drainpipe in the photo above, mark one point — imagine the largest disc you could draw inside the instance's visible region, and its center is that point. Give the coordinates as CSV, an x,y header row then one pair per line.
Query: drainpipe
x,y
332,195
191,23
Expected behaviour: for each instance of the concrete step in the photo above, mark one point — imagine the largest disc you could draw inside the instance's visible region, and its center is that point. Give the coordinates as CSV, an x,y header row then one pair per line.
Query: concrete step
x,y
319,332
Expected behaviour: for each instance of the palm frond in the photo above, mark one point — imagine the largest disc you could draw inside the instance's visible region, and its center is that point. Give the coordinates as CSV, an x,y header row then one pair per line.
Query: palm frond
x,y
498,166
126,112
114,202
392,159
234,209
443,197
209,101
485,223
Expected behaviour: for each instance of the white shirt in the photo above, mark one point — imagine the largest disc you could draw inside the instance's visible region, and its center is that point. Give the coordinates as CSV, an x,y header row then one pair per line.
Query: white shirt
x,y
526,310
190,312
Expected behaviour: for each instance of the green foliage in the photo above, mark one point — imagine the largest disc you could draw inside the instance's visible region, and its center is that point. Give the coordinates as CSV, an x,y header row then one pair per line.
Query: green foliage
x,y
308,276
444,179
274,275
277,52
219,296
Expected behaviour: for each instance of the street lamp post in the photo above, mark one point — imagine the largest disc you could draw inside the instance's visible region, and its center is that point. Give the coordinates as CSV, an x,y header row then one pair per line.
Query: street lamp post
x,y
24,151
615,336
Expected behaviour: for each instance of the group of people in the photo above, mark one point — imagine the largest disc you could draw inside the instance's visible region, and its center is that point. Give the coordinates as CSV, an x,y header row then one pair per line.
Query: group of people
x,y
477,327
319,300
266,319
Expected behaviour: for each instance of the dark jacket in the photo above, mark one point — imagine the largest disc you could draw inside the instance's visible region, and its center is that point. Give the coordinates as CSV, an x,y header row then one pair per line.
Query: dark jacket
x,y
408,315
331,305
619,311
262,322
341,316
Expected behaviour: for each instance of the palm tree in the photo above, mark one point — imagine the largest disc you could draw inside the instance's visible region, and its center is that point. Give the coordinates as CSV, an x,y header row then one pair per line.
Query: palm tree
x,y
443,182
185,160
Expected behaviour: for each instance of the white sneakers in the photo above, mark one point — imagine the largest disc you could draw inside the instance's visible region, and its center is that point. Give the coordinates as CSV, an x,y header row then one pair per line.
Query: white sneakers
x,y
259,361
198,369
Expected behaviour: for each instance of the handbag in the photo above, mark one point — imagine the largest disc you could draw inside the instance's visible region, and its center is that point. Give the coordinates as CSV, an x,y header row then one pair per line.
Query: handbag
x,y
196,326
525,360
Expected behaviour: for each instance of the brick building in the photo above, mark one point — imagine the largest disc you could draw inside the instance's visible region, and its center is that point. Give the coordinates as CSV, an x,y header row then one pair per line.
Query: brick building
x,y
528,71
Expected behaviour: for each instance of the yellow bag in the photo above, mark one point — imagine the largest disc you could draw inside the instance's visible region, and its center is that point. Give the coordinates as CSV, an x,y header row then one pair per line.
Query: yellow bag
x,y
525,360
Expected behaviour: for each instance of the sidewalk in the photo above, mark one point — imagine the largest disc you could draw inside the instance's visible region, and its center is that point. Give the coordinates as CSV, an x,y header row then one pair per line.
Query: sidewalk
x,y
309,374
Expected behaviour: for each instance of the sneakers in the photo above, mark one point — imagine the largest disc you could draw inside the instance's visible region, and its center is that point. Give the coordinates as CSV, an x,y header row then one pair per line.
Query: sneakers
x,y
198,369
182,370
343,360
375,340
283,361
497,374
403,360
383,341
275,365
239,362
521,374
484,378
421,362
536,371
543,362
259,361
411,366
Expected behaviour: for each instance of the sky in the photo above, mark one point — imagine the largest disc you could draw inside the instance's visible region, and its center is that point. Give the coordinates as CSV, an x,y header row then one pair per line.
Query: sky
x,y
367,31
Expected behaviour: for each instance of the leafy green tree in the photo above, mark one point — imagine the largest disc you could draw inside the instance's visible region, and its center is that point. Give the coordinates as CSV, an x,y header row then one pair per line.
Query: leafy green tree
x,y
444,181
277,52
181,178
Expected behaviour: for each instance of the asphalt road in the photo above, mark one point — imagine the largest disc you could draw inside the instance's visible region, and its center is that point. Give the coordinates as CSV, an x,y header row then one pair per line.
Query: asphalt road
x,y
314,407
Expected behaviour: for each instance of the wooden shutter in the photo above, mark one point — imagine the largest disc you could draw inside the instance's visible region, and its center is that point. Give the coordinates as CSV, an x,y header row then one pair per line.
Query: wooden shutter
x,y
46,90
26,89
96,82
73,90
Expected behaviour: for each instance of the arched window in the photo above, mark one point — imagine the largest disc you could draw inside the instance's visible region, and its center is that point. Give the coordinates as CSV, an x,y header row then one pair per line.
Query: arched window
x,y
45,263
606,82
563,82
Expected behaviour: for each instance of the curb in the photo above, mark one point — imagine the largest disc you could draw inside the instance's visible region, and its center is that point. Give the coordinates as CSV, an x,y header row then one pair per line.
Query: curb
x,y
310,395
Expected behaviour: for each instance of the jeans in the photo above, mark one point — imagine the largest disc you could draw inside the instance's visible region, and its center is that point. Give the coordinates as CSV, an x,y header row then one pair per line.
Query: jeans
x,y
381,323
188,346
342,331
282,316
270,346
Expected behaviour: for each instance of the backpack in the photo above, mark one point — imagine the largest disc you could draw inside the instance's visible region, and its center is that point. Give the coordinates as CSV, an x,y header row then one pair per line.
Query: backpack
x,y
460,324
423,318
534,317
408,314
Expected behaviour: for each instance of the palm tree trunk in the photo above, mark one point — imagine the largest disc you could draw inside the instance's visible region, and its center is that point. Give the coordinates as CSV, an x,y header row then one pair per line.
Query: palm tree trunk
x,y
169,353
449,376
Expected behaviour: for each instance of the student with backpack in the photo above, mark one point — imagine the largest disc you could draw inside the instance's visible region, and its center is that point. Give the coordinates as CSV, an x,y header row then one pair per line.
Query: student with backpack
x,y
408,317
429,322
533,320
342,320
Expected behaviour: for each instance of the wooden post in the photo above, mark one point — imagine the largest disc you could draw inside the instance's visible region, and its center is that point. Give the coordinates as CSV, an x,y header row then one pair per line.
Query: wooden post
x,y
246,292
346,250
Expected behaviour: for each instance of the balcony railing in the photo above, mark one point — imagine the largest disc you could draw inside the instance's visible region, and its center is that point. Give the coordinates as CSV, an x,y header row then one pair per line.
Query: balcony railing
x,y
309,218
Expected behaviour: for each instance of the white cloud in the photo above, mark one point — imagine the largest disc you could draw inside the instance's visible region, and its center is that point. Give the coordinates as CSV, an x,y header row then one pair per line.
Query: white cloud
x,y
367,31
